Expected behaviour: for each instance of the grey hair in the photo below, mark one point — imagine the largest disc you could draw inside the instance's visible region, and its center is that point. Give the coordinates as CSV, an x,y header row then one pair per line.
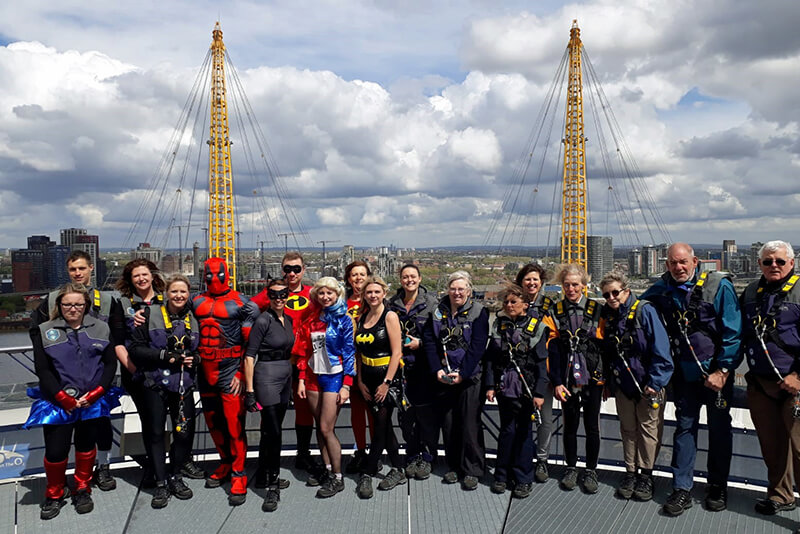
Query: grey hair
x,y
460,275
567,269
614,276
687,246
775,246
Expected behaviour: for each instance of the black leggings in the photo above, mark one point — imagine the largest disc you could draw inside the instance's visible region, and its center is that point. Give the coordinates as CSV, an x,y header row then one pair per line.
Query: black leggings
x,y
590,398
58,438
156,403
269,447
383,436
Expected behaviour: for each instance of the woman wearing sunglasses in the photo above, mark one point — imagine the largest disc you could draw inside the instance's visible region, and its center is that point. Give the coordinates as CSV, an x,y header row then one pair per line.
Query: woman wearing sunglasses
x,y
164,350
576,371
268,379
639,366
75,363
455,340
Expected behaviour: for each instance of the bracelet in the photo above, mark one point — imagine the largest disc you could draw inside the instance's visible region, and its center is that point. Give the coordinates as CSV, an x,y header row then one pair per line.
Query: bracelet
x,y
345,386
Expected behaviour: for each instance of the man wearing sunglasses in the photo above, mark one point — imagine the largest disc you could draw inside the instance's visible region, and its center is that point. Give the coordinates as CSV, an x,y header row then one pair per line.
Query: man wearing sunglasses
x,y
703,321
771,317
298,307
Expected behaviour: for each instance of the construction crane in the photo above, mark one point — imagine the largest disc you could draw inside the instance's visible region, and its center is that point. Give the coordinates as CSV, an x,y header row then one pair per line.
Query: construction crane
x,y
324,257
222,232
573,200
285,236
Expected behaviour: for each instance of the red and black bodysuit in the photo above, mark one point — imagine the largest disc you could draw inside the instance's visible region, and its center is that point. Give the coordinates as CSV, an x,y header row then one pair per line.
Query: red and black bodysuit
x,y
225,317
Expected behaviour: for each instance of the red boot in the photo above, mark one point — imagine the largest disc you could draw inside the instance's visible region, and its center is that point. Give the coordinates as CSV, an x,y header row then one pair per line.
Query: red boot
x,y
84,466
56,478
238,490
218,477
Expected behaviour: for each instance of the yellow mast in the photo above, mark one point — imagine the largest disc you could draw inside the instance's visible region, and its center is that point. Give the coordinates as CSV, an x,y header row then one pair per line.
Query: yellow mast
x,y
573,204
221,231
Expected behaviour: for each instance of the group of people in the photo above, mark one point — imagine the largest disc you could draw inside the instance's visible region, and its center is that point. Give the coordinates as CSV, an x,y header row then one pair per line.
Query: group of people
x,y
433,360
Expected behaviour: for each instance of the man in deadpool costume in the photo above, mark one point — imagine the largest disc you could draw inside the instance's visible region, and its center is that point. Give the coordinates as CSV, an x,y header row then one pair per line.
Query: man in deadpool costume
x,y
225,318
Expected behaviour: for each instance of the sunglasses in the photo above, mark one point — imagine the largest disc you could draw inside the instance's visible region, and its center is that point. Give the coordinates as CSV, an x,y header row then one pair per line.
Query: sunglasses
x,y
296,269
614,293
281,294
767,262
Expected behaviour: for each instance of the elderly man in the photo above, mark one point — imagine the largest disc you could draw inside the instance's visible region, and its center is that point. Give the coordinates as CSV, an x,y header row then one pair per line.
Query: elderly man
x,y
701,313
771,315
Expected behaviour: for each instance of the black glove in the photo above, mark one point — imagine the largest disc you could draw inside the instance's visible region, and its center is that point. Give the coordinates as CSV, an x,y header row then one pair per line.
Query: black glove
x,y
250,401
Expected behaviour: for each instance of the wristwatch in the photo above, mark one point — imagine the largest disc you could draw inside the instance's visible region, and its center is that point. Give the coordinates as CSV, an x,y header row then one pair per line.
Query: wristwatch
x,y
387,381
724,370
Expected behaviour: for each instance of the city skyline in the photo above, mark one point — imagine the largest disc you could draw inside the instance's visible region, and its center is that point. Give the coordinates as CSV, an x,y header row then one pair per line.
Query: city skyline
x,y
401,125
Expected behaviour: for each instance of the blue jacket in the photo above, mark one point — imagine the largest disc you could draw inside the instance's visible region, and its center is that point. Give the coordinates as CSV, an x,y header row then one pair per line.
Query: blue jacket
x,y
465,350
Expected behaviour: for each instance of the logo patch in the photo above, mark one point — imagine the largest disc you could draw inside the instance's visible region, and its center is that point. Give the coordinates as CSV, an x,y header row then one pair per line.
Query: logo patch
x,y
296,302
52,334
131,311
366,339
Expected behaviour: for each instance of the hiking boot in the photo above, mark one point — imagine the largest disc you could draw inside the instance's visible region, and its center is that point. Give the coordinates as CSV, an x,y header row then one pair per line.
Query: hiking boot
x,y
772,507
271,500
318,478
364,488
542,473
499,487
716,498
83,502
193,471
423,469
677,502
522,491
469,483
393,478
451,477
160,496
103,479
330,487
50,508
178,488
356,463
219,476
411,468
626,486
570,479
237,499
589,481
643,491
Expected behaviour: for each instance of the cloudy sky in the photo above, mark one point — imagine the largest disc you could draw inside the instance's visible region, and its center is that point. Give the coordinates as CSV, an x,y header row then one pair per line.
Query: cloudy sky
x,y
399,122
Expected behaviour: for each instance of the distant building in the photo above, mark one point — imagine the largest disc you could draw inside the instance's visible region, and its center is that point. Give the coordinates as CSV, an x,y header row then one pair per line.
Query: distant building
x,y
69,235
348,256
144,250
599,255
27,269
635,266
56,266
709,265
754,248
728,252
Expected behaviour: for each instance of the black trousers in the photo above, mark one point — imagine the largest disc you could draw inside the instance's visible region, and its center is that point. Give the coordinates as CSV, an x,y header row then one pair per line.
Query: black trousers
x,y
58,438
459,414
515,448
589,397
156,404
269,447
418,422
383,436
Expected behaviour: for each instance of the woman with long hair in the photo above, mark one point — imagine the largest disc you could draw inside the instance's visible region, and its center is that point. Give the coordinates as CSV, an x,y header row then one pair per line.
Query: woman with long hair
x,y
164,350
379,351
326,360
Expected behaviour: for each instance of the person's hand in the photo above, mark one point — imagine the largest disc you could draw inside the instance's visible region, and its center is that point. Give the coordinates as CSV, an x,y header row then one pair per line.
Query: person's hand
x,y
344,395
188,360
250,401
301,389
490,395
235,386
411,342
364,391
716,380
538,402
130,366
791,383
455,378
66,401
650,392
562,393
443,377
606,393
381,392
138,317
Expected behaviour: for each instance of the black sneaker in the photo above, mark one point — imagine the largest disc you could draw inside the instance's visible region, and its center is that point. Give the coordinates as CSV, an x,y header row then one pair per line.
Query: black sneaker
x,y
542,473
716,498
50,508
364,488
356,463
451,477
589,481
570,479
83,502
499,487
160,496
270,503
178,488
771,507
193,471
469,483
522,491
643,491
625,488
330,487
237,499
423,470
318,478
103,479
678,501
393,478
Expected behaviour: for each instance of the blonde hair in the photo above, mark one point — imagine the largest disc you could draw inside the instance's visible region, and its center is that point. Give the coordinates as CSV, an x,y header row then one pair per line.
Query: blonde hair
x,y
328,282
371,281
71,287
566,269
